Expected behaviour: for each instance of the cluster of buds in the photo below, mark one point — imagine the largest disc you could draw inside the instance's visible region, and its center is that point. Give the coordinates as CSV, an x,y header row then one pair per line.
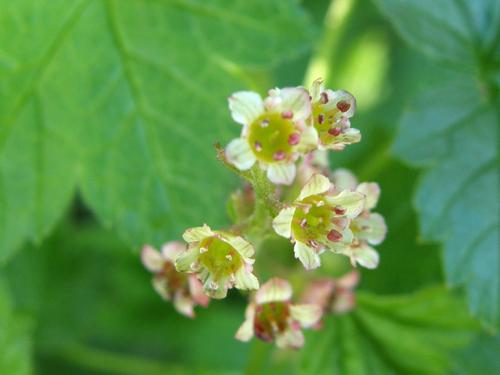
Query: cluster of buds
x,y
284,141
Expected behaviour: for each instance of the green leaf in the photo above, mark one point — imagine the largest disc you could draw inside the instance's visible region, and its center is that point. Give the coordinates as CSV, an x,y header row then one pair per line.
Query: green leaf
x,y
411,334
15,338
481,357
453,31
451,130
124,100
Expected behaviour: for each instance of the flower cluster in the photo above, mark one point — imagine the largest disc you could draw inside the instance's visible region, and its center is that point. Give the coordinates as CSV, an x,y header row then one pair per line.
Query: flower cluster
x,y
291,192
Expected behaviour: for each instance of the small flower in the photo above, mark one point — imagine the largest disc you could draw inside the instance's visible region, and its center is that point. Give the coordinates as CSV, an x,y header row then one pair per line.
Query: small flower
x,y
272,317
318,220
368,228
220,260
331,111
274,131
186,291
335,296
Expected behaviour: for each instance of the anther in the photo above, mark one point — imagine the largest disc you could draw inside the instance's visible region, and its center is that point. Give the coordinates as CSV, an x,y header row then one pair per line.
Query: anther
x,y
324,98
229,257
339,210
258,146
334,236
287,114
303,223
343,106
264,123
279,155
334,131
321,118
294,139
203,250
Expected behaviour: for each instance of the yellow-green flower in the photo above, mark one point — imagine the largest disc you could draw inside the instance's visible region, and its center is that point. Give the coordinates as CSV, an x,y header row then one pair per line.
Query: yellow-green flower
x,y
221,260
318,219
368,228
184,290
272,317
275,131
331,111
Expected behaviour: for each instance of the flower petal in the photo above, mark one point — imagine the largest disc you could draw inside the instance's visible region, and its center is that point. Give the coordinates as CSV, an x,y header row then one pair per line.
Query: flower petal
x,y
290,338
306,315
239,153
351,202
308,139
246,280
349,280
316,89
245,106
344,179
196,291
161,287
245,332
241,245
373,228
371,190
171,250
281,174
307,255
197,234
317,184
365,256
215,290
273,291
296,100
339,97
152,259
319,292
282,224
185,261
184,304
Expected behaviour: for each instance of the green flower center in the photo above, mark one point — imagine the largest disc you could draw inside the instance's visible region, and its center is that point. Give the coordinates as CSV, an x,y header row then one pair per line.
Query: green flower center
x,y
220,258
271,318
271,137
325,123
312,219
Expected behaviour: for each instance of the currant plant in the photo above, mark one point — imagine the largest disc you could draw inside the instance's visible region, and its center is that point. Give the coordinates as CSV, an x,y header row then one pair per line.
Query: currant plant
x,y
289,191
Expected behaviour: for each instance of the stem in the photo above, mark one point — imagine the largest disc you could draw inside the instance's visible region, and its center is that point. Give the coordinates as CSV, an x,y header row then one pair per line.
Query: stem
x,y
267,204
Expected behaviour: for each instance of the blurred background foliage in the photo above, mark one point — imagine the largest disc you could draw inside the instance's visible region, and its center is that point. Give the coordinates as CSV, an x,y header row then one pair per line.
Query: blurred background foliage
x,y
108,113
